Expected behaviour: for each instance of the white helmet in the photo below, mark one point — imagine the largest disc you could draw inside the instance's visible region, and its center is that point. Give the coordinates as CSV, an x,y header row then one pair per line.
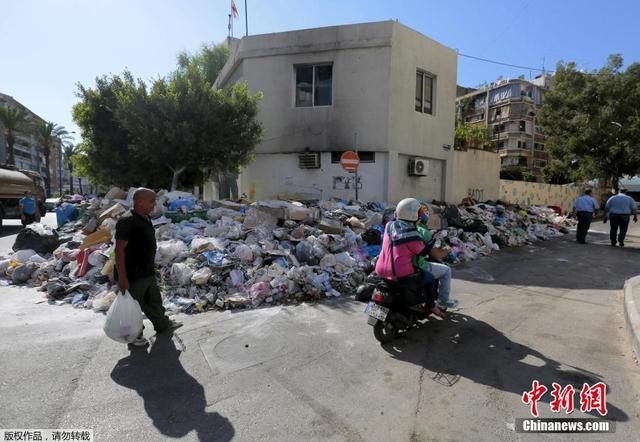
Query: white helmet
x,y
407,209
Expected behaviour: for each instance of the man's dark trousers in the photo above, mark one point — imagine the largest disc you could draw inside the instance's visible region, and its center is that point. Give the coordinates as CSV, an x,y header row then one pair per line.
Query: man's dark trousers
x,y
584,222
621,222
145,290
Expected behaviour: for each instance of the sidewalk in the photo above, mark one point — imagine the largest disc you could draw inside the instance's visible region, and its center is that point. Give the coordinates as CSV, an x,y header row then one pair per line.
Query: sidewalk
x,y
632,311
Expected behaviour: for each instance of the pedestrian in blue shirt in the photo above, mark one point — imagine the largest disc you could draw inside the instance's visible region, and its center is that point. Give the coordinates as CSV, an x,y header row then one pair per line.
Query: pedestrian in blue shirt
x,y
584,207
27,206
619,209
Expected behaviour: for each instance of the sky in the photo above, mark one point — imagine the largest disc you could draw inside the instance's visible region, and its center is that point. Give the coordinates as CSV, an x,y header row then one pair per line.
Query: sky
x,y
48,46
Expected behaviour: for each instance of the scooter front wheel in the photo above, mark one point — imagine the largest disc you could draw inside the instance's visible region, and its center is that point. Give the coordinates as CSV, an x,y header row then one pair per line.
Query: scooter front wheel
x,y
385,332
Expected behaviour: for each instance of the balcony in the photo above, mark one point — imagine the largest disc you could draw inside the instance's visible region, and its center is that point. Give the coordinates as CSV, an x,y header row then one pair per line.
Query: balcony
x,y
514,152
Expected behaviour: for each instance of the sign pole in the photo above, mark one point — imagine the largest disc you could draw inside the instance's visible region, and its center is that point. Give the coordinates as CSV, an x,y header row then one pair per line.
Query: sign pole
x,y
355,146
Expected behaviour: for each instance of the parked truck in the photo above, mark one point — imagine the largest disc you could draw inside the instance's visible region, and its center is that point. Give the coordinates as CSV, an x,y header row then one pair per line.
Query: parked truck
x,y
13,184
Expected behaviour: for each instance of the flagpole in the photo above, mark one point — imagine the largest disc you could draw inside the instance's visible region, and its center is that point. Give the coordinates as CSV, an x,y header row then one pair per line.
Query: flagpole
x,y
229,27
246,19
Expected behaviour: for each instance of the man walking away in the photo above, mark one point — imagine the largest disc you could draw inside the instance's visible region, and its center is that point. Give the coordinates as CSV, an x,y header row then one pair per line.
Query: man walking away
x,y
585,207
135,262
618,209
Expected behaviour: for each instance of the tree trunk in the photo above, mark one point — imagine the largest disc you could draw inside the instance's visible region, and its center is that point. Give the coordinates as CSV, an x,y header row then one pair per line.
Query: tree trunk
x,y
80,185
10,157
176,176
47,178
71,181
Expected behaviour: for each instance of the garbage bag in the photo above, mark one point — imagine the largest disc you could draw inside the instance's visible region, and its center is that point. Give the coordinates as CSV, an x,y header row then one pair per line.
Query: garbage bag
x,y
372,237
40,241
201,276
169,250
103,303
181,274
24,272
124,319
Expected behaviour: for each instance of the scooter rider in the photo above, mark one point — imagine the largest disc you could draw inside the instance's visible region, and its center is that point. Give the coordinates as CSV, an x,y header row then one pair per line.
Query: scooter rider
x,y
400,244
439,271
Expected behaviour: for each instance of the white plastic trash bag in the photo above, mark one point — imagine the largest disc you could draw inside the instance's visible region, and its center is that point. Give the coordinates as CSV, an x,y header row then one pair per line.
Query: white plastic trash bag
x,y
124,319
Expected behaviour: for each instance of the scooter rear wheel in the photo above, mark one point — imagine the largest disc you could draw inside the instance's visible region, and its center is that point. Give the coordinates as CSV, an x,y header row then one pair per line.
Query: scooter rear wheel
x,y
385,332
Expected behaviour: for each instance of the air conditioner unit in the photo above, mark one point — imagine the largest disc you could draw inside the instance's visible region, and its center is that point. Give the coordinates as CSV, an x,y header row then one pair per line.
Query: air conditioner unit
x,y
309,160
418,167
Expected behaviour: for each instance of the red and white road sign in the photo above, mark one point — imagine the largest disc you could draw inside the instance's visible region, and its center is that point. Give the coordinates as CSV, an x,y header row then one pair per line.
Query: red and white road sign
x,y
350,161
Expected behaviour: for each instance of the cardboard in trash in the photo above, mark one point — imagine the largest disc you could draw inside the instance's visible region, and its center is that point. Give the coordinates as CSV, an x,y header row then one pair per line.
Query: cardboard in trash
x,y
99,237
111,212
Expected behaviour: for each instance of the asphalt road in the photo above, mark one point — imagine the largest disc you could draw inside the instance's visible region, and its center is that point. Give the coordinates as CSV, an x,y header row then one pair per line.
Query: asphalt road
x,y
551,312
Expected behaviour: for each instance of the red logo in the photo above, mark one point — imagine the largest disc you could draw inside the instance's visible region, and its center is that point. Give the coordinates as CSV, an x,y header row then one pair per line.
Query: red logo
x,y
591,398
532,397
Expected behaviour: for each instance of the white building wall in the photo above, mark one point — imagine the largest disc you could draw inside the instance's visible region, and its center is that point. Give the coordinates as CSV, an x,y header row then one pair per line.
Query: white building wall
x,y
278,176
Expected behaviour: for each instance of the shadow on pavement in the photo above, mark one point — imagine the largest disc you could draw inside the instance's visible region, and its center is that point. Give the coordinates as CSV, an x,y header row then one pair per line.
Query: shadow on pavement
x,y
466,347
557,263
173,399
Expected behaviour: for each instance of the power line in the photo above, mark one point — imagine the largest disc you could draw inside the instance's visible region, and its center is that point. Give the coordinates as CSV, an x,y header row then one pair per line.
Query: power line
x,y
503,64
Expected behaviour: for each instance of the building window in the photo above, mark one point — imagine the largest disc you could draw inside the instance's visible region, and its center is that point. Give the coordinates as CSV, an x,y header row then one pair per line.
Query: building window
x,y
314,85
522,144
539,163
523,161
523,126
365,157
425,85
500,144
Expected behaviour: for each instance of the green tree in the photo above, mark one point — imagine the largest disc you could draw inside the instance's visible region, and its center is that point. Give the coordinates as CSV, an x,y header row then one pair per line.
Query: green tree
x,y
474,136
69,151
13,120
168,132
592,123
209,61
108,155
49,136
183,124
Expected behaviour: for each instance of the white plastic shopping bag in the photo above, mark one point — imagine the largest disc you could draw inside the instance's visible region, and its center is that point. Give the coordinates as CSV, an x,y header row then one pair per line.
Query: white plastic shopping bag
x,y
124,319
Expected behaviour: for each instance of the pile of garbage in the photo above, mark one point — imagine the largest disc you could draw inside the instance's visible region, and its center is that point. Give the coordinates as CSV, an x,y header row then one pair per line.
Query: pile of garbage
x,y
225,255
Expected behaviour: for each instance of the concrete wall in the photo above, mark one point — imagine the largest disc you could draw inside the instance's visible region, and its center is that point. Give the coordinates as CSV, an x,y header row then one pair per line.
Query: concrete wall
x,y
278,176
476,173
525,193
402,185
360,55
415,133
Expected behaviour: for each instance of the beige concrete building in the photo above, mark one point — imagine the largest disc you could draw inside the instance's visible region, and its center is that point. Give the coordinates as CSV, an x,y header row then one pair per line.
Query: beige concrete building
x,y
508,108
382,88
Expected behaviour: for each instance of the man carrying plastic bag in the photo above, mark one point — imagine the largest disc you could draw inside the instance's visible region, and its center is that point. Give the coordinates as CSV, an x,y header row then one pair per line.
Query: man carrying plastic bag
x,y
135,262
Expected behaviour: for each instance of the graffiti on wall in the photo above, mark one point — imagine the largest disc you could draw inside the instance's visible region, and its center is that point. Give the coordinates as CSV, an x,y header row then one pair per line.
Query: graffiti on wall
x,y
346,182
476,194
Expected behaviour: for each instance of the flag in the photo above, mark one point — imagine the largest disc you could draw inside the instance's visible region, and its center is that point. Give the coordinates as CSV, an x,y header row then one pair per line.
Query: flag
x,y
234,10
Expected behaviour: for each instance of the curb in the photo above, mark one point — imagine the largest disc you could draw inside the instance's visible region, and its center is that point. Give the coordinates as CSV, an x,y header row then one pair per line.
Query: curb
x,y
632,311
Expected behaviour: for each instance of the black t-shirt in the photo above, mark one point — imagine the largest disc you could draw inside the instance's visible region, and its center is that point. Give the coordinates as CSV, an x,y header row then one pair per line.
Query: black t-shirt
x,y
140,253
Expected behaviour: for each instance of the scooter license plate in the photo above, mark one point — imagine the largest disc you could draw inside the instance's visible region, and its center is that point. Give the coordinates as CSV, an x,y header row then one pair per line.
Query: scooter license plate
x,y
376,311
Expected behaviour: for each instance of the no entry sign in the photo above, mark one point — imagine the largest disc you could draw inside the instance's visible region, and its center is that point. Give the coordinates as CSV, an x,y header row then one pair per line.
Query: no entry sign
x,y
350,161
